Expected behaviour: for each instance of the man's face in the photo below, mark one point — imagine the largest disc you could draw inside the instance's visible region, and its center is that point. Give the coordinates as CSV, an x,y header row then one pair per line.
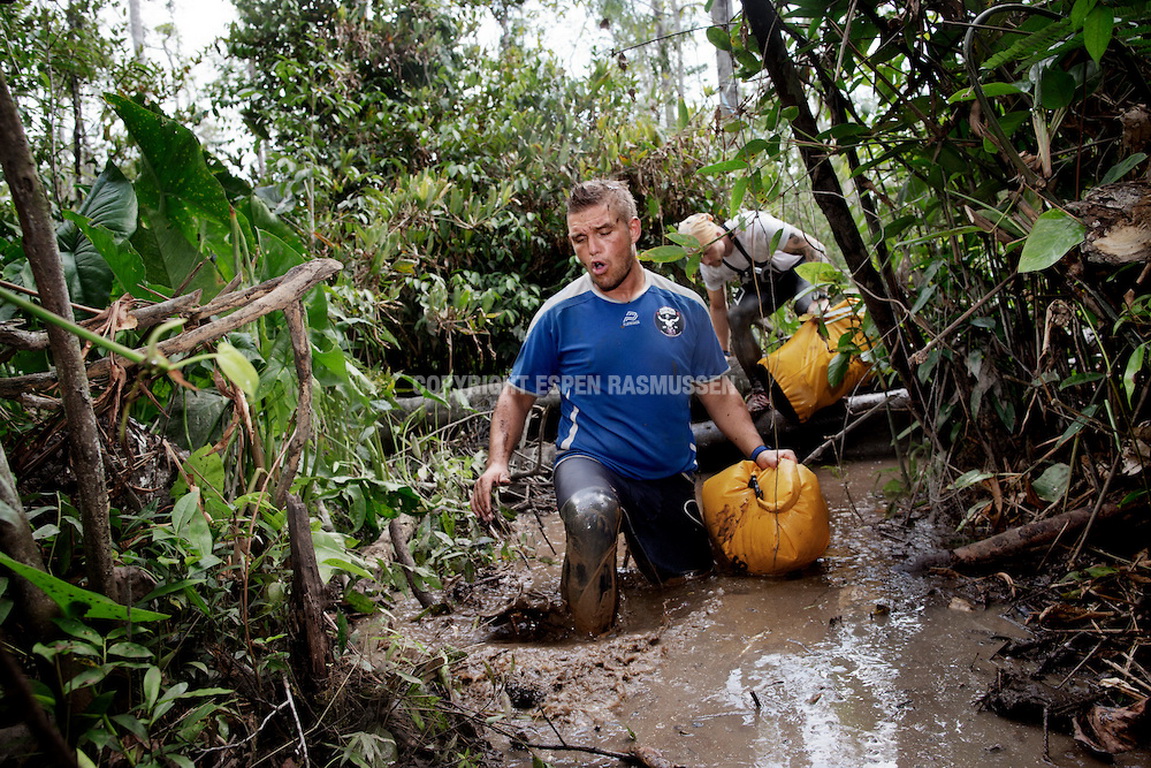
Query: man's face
x,y
713,254
604,243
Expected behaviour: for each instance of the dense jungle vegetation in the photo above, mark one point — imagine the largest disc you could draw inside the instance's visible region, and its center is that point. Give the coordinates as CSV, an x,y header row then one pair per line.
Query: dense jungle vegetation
x,y
215,298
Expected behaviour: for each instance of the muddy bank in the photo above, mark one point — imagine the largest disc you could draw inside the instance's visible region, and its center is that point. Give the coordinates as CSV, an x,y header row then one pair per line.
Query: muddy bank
x,y
852,662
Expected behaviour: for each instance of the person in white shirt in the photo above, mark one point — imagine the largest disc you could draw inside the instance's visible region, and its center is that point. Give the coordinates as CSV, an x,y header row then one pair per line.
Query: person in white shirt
x,y
761,252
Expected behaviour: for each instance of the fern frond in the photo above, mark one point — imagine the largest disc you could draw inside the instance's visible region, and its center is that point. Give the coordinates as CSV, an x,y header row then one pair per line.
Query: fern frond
x,y
1032,47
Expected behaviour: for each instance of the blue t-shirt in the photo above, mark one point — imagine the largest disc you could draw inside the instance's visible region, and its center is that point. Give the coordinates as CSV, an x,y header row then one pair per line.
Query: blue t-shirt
x,y
625,372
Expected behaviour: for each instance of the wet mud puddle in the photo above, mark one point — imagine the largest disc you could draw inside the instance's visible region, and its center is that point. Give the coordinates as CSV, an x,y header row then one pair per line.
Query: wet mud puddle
x,y
853,663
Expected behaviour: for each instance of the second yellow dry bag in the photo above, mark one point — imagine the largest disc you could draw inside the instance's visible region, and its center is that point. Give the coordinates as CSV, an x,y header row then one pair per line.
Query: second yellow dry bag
x,y
800,366
769,521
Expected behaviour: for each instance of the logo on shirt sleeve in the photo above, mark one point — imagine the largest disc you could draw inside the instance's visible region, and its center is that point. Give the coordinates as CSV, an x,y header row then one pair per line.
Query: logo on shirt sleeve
x,y
669,320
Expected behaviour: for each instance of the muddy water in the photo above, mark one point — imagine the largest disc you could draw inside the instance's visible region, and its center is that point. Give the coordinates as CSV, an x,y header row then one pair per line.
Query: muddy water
x,y
852,663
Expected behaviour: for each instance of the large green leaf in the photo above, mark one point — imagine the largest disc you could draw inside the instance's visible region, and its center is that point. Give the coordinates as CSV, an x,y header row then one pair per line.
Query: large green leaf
x,y
175,158
121,258
1122,168
111,203
181,200
76,601
662,254
1056,88
109,209
719,37
169,259
277,256
1097,30
1053,483
238,369
1054,234
89,278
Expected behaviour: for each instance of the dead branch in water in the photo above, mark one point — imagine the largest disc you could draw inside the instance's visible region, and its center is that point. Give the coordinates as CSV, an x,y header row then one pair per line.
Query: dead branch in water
x,y
645,757
1016,540
408,563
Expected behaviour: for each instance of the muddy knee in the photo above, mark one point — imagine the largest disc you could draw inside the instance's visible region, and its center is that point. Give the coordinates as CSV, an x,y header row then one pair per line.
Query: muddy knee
x,y
592,519
592,516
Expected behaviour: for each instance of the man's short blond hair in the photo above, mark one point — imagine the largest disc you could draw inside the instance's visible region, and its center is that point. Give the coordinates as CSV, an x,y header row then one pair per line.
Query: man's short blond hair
x,y
614,194
702,227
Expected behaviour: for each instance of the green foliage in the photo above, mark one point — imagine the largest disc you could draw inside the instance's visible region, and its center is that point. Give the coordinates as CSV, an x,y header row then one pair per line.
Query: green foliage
x,y
59,58
457,191
436,172
1053,235
163,726
75,601
1038,89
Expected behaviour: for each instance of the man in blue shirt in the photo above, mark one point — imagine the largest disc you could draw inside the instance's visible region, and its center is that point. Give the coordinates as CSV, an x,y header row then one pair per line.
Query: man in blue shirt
x,y
627,348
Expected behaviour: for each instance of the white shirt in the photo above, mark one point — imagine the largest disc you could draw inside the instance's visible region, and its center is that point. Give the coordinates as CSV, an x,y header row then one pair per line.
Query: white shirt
x,y
756,231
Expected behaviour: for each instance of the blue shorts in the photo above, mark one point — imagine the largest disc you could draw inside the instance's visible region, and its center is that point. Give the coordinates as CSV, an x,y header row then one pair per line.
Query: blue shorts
x,y
661,518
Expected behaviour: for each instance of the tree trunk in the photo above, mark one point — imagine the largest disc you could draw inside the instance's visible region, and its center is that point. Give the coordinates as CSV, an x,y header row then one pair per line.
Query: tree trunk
x,y
721,16
877,293
35,608
311,650
663,60
84,433
136,28
1016,540
76,25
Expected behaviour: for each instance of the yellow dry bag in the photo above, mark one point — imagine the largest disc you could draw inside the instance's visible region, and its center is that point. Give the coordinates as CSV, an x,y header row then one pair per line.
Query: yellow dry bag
x,y
800,366
769,521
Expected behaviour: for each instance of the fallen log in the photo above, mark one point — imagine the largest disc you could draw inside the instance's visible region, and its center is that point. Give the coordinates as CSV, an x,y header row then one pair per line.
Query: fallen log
x,y
443,408
1015,540
775,427
438,409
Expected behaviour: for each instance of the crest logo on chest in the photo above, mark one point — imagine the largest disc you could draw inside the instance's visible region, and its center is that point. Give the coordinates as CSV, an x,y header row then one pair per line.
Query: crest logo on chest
x,y
669,320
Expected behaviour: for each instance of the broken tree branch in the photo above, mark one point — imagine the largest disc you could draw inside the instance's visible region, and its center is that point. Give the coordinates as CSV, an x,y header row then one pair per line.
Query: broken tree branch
x,y
302,351
287,289
399,537
311,650
1016,540
146,317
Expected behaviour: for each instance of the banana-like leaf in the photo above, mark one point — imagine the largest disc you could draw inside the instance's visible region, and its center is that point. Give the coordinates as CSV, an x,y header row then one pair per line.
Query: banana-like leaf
x,y
186,207
108,214
76,601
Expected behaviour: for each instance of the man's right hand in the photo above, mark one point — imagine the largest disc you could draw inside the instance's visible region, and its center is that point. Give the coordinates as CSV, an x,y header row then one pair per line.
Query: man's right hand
x,y
495,474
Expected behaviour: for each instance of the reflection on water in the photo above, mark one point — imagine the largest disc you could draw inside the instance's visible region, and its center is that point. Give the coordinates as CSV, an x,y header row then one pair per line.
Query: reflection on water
x,y
832,694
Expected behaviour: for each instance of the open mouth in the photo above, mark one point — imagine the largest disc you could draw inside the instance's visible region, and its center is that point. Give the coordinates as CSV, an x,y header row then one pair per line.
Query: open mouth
x,y
598,267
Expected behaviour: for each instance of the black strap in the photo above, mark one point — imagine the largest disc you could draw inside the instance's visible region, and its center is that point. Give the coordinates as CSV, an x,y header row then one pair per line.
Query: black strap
x,y
747,273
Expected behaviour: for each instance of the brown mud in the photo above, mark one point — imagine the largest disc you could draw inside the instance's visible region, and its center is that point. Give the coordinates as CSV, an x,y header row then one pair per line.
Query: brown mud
x,y
853,662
